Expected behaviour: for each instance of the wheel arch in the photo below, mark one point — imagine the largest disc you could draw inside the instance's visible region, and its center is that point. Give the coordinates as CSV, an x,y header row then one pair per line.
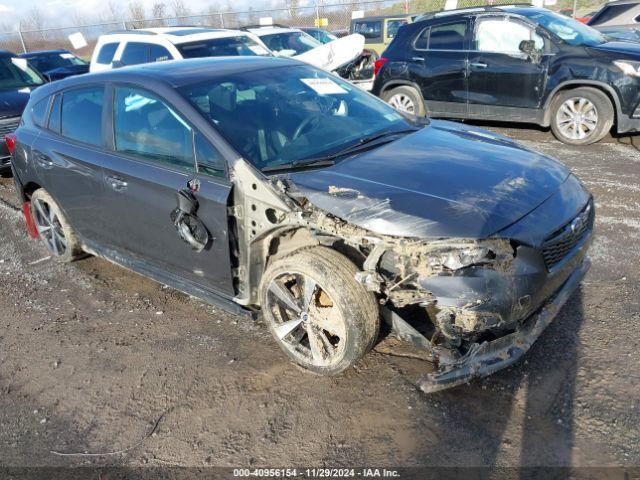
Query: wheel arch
x,y
573,84
401,83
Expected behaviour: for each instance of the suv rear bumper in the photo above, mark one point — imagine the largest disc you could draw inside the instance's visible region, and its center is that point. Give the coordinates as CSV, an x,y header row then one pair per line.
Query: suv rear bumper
x,y
489,357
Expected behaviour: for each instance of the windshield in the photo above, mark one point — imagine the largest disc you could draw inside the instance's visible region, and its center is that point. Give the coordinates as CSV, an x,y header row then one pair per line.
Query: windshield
x,y
16,73
55,60
290,113
290,43
568,29
241,45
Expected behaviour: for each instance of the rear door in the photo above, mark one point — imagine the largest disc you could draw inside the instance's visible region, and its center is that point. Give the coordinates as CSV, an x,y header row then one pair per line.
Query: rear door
x,y
500,74
155,152
438,65
68,155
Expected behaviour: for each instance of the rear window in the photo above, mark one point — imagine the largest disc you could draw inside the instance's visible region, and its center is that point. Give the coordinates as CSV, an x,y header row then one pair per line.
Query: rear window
x,y
443,37
370,29
135,53
39,112
82,115
108,50
241,45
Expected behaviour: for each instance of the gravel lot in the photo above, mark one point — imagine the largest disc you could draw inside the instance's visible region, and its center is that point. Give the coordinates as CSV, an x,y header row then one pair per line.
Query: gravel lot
x,y
91,356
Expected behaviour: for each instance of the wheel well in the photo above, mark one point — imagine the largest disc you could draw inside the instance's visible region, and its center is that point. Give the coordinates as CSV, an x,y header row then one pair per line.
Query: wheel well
x,y
393,84
573,86
29,188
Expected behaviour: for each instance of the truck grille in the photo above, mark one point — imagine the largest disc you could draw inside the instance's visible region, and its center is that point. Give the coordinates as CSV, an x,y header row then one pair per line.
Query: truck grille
x,y
8,125
561,242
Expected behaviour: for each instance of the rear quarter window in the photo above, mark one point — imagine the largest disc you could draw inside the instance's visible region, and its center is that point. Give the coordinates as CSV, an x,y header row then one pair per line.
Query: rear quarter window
x,y
107,51
39,112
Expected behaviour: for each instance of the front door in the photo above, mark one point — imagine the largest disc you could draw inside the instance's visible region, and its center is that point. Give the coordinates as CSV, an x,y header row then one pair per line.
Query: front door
x,y
503,78
438,65
155,157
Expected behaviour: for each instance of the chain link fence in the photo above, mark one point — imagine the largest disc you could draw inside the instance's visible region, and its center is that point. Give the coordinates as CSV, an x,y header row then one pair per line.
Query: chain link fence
x,y
331,16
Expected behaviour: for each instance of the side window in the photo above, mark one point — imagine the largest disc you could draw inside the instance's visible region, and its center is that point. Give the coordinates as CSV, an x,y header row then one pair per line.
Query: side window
x,y
108,50
210,162
393,26
39,112
158,53
145,126
422,42
135,53
450,36
54,116
82,115
502,35
371,30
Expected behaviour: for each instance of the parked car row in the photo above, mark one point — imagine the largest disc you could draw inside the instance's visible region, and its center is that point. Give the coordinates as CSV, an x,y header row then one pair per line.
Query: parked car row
x,y
516,64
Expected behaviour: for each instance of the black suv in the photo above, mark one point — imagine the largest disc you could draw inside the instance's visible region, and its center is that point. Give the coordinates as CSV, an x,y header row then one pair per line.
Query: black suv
x,y
514,63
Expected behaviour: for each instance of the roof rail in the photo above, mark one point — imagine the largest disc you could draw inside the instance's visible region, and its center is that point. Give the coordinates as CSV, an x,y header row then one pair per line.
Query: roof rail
x,y
480,8
132,31
278,25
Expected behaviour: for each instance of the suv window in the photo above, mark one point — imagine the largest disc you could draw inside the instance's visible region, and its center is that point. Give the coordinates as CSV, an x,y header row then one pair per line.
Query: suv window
x,y
610,12
39,112
450,36
504,36
54,116
146,127
135,53
108,50
393,26
369,29
82,115
157,53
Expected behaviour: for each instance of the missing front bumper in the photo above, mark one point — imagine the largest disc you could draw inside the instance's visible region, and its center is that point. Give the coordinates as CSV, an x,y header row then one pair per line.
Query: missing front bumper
x,y
489,357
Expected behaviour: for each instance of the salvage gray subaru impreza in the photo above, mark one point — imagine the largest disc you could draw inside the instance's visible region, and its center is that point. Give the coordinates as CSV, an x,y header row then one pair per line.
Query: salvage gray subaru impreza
x,y
266,184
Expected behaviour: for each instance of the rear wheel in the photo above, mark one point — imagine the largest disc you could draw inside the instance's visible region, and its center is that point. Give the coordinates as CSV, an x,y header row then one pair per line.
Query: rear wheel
x,y
53,228
319,315
405,99
581,116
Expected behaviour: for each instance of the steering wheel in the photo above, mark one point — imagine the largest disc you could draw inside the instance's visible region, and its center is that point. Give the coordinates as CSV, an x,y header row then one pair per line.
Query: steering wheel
x,y
312,120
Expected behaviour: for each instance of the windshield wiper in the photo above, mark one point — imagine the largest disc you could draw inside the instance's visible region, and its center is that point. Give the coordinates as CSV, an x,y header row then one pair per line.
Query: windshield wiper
x,y
330,159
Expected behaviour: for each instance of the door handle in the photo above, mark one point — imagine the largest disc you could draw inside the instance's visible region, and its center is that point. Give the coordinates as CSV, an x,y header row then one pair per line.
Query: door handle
x,y
42,160
478,65
417,59
116,183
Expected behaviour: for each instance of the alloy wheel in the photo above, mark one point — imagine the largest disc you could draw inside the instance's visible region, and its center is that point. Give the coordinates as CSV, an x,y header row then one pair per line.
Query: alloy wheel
x,y
49,227
403,103
577,118
306,320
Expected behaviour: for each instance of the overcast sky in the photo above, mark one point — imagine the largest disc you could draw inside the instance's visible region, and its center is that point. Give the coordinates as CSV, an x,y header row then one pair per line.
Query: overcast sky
x,y
61,12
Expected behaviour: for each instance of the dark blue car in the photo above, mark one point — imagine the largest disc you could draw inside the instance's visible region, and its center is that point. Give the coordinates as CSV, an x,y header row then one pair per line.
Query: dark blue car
x,y
57,64
17,80
265,184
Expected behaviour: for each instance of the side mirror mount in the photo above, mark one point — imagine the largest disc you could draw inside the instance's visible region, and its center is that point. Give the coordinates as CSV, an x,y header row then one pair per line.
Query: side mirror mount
x,y
528,47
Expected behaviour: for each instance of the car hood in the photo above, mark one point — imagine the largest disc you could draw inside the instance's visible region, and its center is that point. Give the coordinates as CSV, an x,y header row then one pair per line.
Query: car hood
x,y
12,102
447,180
627,48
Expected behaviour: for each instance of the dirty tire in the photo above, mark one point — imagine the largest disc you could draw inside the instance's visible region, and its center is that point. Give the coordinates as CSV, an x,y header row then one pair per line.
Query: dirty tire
x,y
67,247
353,312
405,99
593,120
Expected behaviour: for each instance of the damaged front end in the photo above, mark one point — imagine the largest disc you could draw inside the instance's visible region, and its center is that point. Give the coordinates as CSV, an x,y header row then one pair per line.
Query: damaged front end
x,y
474,305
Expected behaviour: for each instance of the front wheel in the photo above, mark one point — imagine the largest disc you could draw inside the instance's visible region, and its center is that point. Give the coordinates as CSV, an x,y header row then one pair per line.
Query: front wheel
x,y
581,116
321,317
405,99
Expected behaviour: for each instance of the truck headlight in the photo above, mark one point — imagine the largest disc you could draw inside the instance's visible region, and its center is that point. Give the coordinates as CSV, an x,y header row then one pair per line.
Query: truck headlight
x,y
628,67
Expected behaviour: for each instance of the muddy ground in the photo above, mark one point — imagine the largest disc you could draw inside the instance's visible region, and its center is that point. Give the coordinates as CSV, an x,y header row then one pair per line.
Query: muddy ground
x,y
91,356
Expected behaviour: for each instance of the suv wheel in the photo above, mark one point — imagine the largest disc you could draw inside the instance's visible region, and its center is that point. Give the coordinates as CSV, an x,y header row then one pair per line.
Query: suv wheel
x,y
405,99
53,228
321,317
581,116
